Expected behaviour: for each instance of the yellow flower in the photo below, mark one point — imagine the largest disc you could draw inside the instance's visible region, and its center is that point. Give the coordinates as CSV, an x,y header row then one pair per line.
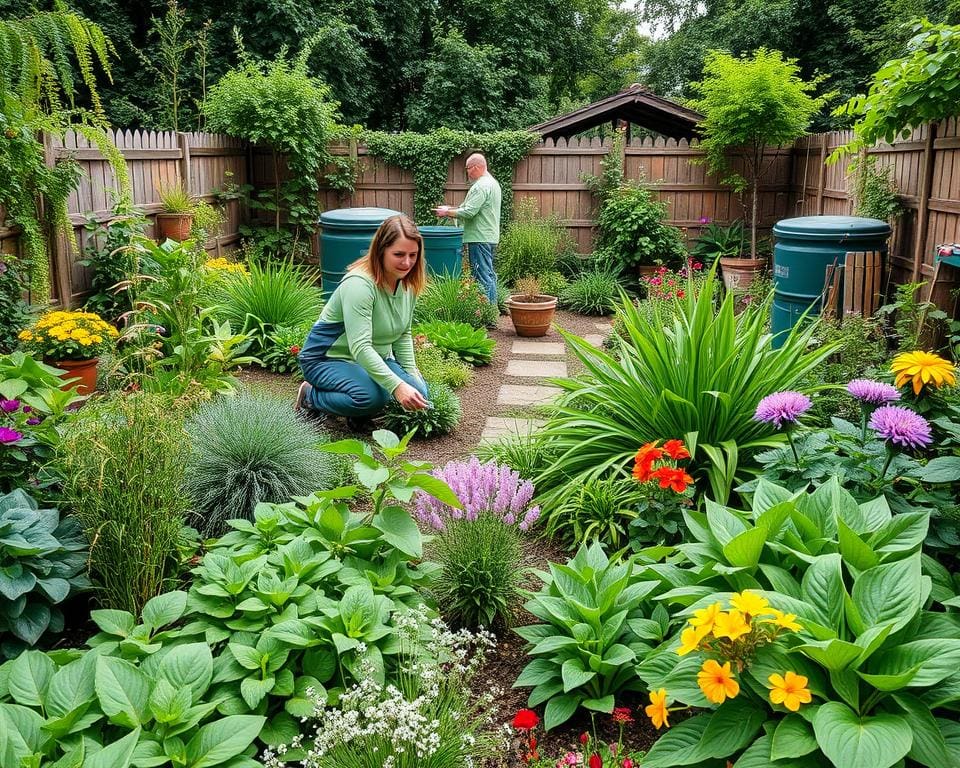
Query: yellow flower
x,y
79,334
750,603
25,336
790,690
731,624
706,616
86,341
785,620
97,338
922,368
657,708
717,682
690,639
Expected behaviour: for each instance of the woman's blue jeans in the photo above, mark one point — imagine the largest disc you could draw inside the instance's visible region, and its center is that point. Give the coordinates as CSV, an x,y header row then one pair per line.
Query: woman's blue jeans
x,y
344,388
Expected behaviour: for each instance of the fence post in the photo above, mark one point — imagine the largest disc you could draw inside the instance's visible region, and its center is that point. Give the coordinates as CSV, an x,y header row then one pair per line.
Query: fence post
x,y
183,143
923,209
822,183
58,244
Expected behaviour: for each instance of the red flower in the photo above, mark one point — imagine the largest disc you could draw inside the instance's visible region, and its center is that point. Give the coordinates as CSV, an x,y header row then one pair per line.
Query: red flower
x,y
627,762
525,720
595,761
675,449
668,477
294,350
680,294
584,738
643,461
621,715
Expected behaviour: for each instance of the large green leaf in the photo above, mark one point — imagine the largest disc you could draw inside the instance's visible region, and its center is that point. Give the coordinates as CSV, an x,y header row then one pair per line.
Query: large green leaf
x,y
822,587
935,659
929,746
123,691
744,549
221,740
164,609
188,666
793,737
400,530
732,726
851,741
890,592
560,709
115,755
683,744
29,676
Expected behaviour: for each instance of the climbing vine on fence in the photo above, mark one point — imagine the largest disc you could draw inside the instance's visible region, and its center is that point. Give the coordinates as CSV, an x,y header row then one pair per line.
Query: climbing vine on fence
x,y
428,155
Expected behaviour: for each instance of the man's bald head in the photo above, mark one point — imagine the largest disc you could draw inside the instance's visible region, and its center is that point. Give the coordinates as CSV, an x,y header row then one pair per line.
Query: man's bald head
x,y
476,159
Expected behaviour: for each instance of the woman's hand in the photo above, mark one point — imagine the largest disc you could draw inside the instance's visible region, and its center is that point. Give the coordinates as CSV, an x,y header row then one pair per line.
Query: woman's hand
x,y
409,397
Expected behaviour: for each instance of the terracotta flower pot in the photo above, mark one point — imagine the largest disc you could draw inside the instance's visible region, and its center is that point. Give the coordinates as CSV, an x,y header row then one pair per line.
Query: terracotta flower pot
x,y
532,317
84,370
174,226
739,273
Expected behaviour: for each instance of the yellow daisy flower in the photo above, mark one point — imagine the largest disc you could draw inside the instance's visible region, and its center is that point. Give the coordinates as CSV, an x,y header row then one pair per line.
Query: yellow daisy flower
x,y
731,624
750,603
785,620
922,368
790,690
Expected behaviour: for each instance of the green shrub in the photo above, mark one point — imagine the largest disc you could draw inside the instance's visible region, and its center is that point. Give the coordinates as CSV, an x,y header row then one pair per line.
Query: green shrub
x,y
479,571
527,454
717,241
592,293
282,347
631,231
248,449
440,419
455,299
14,310
552,283
700,374
437,366
530,245
469,344
123,463
602,508
276,294
44,558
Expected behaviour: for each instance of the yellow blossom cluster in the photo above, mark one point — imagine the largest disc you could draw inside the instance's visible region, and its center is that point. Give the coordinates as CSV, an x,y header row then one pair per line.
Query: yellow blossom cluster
x,y
922,369
228,267
62,335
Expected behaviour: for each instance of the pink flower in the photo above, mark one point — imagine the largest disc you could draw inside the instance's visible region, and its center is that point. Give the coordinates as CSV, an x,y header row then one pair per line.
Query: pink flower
x,y
8,435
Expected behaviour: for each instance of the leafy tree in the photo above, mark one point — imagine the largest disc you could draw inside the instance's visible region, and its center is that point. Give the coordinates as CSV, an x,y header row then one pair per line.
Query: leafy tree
x,y
749,103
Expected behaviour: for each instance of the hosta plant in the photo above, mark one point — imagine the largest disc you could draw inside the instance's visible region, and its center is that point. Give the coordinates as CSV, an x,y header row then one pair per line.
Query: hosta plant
x,y
597,623
42,562
440,417
471,345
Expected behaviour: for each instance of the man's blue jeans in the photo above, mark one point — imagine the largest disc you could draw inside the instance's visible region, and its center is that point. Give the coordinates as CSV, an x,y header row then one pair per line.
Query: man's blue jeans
x,y
481,265
344,388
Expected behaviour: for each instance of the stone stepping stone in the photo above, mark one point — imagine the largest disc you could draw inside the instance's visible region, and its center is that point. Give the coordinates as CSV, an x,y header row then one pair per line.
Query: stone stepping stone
x,y
594,338
536,369
605,327
538,348
525,394
497,427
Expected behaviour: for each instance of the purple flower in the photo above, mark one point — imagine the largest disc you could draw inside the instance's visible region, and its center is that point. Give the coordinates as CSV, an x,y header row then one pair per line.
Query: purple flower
x,y
27,409
33,421
873,392
9,406
8,435
901,426
704,219
782,408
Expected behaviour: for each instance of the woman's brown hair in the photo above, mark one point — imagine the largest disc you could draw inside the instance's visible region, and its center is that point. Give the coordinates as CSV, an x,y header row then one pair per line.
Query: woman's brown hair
x,y
389,232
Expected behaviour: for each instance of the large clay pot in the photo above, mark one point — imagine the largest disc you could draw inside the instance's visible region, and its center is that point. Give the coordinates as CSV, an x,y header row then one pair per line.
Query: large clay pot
x,y
174,226
739,273
647,270
532,316
84,370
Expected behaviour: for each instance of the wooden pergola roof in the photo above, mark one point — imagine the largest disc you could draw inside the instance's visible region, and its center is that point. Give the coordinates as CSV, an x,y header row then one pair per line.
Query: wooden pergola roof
x,y
636,104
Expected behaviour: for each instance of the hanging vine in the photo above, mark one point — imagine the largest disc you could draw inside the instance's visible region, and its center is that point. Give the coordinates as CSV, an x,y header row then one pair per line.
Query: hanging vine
x,y
428,156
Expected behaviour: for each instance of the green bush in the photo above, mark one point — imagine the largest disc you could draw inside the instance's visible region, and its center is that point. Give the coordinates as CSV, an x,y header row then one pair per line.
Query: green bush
x,y
479,571
599,509
699,374
123,463
282,347
592,293
44,558
275,295
248,449
457,300
631,231
469,344
552,283
437,366
530,245
442,418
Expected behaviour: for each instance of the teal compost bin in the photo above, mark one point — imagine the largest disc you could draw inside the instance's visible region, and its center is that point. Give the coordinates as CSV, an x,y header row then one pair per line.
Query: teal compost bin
x,y
804,248
345,236
443,249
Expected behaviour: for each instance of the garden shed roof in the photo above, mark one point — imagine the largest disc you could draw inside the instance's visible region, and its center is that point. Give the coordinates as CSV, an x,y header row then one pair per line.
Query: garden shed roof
x,y
636,104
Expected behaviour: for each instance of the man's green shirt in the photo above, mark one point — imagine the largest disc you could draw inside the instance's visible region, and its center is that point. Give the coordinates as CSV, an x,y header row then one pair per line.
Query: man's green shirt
x,y
480,211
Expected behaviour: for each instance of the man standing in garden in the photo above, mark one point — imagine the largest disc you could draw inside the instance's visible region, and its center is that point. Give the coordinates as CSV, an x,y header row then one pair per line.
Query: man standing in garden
x,y
480,211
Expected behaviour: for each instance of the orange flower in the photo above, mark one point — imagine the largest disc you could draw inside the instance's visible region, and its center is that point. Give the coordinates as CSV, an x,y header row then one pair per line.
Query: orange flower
x,y
643,461
676,450
717,682
657,708
790,690
668,477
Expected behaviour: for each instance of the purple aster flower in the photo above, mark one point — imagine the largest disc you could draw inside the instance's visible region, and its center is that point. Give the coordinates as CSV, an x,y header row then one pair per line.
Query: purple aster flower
x,y
9,406
33,421
901,426
782,408
26,409
873,392
8,435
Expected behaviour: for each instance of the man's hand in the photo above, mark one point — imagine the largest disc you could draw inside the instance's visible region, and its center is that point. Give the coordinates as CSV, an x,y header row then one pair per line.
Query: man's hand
x,y
409,397
443,210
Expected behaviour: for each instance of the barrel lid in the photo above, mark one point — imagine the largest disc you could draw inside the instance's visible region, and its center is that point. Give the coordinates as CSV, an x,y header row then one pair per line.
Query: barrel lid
x,y
357,217
832,227
438,230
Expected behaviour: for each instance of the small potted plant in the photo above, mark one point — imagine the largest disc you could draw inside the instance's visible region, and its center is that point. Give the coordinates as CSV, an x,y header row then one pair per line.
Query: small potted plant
x,y
176,220
72,342
531,311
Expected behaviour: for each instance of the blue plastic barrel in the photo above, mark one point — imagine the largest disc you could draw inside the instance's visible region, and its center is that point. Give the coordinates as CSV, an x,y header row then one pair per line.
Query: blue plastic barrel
x,y
443,249
345,236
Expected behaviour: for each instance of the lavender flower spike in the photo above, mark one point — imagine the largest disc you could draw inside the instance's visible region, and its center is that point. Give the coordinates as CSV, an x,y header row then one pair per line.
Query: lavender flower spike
x,y
782,408
873,392
901,427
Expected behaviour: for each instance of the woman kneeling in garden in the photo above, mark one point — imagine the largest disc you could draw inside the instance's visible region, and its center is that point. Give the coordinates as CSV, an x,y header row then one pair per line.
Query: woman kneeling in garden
x,y
360,352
